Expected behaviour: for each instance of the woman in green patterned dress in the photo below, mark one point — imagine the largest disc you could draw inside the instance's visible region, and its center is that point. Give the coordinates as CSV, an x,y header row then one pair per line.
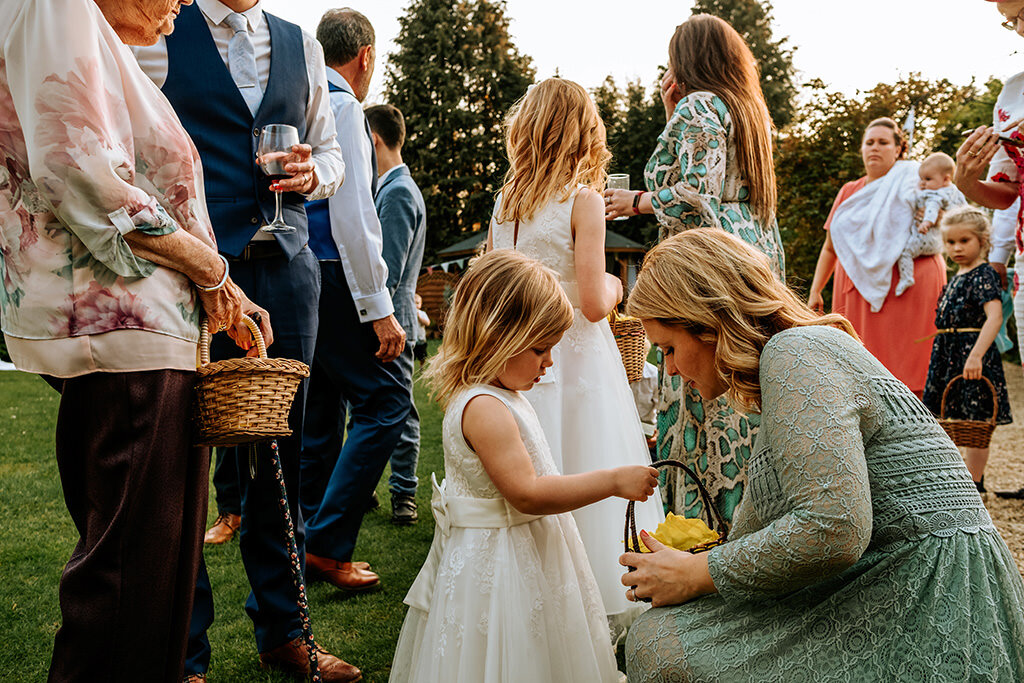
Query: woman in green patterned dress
x,y
712,167
861,550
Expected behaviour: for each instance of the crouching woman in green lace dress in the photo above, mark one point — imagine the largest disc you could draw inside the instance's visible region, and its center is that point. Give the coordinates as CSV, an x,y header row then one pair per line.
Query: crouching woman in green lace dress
x,y
712,166
861,550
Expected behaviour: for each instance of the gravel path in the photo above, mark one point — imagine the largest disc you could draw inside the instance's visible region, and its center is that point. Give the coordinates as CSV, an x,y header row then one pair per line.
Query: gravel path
x,y
1005,471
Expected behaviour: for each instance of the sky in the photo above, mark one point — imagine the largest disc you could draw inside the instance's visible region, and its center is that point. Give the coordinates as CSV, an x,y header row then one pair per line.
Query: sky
x,y
850,46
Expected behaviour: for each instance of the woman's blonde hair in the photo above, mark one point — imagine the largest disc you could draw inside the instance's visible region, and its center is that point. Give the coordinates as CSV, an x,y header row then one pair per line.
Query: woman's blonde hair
x,y
724,292
504,303
974,220
555,140
706,53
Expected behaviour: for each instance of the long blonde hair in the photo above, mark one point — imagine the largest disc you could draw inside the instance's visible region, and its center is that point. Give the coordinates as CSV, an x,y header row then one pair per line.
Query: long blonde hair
x,y
555,140
504,303
723,291
706,53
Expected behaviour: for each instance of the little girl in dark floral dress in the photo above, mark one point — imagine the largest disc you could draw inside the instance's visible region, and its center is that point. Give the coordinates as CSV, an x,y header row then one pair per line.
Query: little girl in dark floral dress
x,y
968,318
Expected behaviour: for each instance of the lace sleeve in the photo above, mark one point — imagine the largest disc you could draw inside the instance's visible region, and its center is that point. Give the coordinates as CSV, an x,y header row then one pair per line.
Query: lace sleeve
x,y
691,161
815,476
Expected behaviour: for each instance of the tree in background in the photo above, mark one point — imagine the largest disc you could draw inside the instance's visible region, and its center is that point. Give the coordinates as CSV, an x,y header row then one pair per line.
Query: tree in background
x,y
454,75
820,150
753,21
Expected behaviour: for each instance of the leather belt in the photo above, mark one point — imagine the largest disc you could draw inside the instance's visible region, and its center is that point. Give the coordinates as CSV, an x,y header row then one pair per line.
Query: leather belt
x,y
258,250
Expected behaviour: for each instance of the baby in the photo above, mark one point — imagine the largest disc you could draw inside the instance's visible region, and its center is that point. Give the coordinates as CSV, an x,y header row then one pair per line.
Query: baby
x,y
936,192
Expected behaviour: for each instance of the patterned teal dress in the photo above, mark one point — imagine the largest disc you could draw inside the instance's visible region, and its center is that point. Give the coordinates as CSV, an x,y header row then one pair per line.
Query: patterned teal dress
x,y
861,550
696,182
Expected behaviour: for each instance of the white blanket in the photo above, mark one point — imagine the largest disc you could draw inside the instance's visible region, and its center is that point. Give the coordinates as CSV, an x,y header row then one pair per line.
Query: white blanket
x,y
870,228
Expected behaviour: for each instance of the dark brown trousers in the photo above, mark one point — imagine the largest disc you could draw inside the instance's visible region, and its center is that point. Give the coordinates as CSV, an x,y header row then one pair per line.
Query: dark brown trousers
x,y
137,493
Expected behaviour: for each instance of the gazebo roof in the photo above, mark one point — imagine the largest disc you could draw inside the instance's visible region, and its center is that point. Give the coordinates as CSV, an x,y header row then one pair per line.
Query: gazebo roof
x,y
613,242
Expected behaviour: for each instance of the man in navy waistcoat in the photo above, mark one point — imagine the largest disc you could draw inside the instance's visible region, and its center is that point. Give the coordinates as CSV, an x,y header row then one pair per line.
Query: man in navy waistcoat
x,y
228,71
358,338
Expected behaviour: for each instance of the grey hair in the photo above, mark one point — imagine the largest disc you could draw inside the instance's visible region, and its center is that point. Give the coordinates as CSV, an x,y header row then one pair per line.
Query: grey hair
x,y
342,33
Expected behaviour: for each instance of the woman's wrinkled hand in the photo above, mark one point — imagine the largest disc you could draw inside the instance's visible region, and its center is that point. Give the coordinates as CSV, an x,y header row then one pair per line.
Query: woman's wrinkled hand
x,y
618,203
974,156
665,576
670,93
224,309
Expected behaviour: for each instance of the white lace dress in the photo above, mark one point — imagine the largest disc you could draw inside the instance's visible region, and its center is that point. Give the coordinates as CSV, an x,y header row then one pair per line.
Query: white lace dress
x,y
502,596
584,404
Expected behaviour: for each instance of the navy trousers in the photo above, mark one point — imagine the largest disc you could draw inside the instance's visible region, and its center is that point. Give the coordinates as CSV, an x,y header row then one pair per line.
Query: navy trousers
x,y
346,371
289,290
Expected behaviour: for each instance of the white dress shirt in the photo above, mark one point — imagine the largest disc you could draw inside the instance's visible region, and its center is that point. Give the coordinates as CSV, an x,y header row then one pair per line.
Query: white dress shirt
x,y
1004,229
327,156
354,223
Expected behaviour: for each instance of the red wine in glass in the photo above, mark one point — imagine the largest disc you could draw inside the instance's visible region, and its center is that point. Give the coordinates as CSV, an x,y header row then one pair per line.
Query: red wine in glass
x,y
276,140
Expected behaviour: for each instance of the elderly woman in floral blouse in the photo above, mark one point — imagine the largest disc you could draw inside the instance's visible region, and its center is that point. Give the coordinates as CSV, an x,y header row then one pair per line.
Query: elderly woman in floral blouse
x,y
108,261
712,167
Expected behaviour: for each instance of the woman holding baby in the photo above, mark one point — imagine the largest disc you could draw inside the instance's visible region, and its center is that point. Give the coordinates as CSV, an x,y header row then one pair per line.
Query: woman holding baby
x,y
866,232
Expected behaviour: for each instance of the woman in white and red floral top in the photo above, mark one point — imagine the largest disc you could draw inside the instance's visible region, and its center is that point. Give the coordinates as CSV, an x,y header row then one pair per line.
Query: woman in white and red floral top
x,y
107,261
990,173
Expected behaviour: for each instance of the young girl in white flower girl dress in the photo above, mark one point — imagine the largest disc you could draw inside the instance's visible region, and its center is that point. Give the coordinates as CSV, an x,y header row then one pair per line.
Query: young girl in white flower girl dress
x,y
506,592
551,209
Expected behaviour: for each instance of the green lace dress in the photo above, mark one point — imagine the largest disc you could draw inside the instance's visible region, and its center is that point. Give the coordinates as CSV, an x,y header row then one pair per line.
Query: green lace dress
x,y
861,550
696,182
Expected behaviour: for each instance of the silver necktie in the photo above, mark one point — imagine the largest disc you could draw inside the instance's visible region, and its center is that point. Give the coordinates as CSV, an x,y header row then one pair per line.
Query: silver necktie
x,y
242,62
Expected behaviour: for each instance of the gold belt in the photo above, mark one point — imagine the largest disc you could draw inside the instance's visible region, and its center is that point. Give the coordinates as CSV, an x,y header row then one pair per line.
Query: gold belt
x,y
948,330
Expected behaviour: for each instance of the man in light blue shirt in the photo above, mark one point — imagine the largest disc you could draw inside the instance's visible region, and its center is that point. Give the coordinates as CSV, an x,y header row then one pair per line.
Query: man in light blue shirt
x,y
403,219
358,337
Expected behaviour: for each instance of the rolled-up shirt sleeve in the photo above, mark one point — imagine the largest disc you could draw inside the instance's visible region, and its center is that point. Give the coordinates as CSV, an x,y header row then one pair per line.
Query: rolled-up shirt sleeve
x,y
79,136
321,132
354,222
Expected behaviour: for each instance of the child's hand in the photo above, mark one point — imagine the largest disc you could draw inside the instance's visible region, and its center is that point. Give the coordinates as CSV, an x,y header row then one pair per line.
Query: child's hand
x,y
635,482
972,368
925,227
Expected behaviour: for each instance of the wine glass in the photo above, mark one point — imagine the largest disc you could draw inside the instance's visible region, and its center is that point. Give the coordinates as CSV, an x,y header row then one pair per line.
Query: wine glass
x,y
618,181
276,140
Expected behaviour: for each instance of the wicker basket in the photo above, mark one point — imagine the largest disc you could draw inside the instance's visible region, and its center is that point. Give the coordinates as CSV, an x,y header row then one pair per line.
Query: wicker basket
x,y
715,520
242,400
632,343
969,433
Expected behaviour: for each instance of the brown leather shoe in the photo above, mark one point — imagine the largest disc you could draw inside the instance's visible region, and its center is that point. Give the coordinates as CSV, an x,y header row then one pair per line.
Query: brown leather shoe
x,y
223,530
292,658
348,576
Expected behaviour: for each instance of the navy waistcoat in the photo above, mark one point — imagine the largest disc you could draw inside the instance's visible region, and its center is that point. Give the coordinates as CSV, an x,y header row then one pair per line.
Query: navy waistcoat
x,y
321,240
206,99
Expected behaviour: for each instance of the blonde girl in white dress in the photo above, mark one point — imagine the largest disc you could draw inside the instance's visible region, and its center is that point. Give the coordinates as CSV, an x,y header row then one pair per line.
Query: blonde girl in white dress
x,y
551,209
506,592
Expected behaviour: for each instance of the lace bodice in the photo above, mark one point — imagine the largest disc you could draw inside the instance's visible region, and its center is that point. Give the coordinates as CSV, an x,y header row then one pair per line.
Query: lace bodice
x,y
463,470
847,460
547,237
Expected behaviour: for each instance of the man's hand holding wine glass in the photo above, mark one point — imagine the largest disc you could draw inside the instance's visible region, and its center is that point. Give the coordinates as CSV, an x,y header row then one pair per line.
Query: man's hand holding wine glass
x,y
299,166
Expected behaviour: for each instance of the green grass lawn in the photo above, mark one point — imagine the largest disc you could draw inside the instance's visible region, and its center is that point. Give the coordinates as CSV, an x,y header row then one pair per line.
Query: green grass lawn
x,y
36,538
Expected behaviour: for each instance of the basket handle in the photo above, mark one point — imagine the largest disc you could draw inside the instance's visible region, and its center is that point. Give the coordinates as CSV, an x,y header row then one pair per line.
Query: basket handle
x,y
991,388
714,516
204,339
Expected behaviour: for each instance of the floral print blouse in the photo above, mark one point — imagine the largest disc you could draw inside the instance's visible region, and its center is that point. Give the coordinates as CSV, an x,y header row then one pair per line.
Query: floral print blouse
x,y
89,150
